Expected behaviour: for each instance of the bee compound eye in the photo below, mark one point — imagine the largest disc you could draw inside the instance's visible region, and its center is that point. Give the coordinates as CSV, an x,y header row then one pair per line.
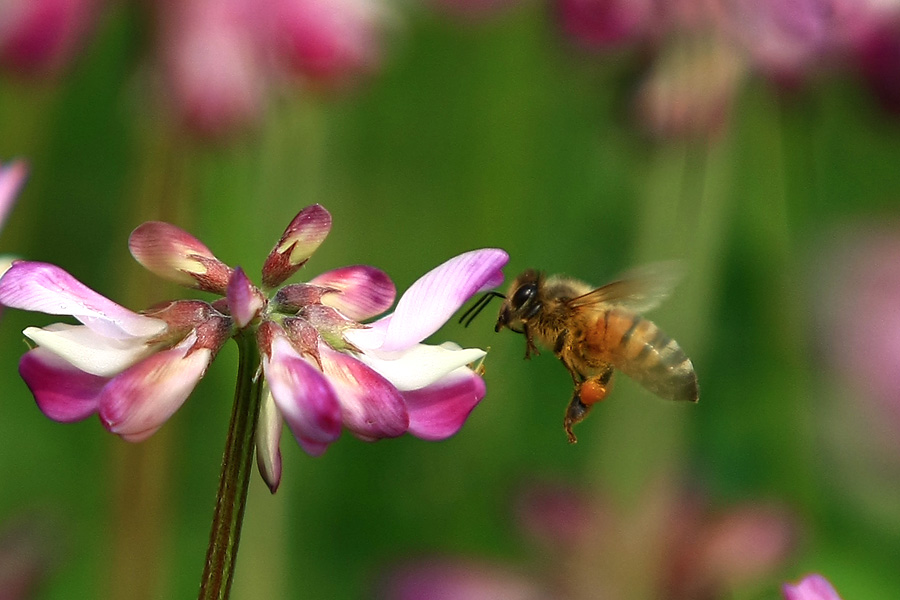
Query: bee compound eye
x,y
523,295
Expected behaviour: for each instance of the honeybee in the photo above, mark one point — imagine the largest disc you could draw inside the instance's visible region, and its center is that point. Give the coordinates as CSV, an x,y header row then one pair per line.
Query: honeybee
x,y
595,331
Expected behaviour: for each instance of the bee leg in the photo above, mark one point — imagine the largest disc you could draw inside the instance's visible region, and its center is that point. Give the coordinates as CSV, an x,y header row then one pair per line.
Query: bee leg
x,y
589,392
575,413
559,348
529,344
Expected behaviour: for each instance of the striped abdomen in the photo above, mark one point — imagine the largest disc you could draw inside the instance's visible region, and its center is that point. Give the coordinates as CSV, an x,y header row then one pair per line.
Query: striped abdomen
x,y
641,350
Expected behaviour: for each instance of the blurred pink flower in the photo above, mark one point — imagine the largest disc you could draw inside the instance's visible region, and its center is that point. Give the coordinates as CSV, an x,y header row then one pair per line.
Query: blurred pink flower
x,y
212,66
323,369
217,60
669,545
12,177
690,88
604,24
877,51
855,292
29,547
42,36
859,315
811,587
327,41
784,38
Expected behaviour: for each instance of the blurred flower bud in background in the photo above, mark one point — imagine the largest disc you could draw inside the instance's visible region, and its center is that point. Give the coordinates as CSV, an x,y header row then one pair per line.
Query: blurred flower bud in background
x,y
605,24
669,545
327,41
212,67
29,549
857,294
40,37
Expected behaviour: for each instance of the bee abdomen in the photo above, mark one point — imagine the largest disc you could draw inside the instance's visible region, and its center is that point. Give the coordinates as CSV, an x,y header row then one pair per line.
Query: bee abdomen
x,y
646,354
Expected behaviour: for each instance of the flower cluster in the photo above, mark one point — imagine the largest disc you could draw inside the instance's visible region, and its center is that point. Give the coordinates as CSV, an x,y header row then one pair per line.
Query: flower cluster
x,y
215,60
323,369
704,49
668,543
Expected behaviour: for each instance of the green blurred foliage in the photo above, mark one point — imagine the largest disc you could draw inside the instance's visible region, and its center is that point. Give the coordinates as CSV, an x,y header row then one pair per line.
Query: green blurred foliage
x,y
474,135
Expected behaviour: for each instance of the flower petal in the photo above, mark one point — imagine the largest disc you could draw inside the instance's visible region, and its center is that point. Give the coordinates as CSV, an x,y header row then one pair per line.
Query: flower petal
x,y
12,176
268,440
62,392
137,402
435,296
421,365
174,254
371,407
438,411
244,299
364,291
298,242
812,587
305,398
89,351
46,288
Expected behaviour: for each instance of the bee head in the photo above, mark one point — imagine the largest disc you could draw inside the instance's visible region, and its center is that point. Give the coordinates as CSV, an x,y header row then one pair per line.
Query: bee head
x,y
522,302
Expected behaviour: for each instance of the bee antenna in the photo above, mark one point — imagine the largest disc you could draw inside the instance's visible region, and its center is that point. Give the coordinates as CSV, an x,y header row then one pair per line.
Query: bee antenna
x,y
479,305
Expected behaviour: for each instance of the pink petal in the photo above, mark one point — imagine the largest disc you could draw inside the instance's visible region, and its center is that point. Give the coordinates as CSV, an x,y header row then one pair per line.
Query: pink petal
x,y
12,176
438,411
46,288
371,407
62,392
435,296
812,587
174,254
268,440
245,301
139,400
304,396
298,242
364,291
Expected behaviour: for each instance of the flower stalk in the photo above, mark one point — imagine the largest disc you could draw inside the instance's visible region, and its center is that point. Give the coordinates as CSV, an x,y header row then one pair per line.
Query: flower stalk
x,y
234,479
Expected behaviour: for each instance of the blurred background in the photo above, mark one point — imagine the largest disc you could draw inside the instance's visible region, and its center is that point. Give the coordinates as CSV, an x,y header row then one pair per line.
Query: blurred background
x,y
755,141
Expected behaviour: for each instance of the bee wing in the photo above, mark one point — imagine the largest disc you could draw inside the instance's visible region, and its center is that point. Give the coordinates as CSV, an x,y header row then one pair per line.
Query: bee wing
x,y
640,290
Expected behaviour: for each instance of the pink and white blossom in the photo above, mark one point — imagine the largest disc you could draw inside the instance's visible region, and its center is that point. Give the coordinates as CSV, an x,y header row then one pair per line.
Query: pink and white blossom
x,y
323,370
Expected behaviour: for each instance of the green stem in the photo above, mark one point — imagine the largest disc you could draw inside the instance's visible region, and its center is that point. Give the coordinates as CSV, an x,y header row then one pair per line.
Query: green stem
x,y
234,479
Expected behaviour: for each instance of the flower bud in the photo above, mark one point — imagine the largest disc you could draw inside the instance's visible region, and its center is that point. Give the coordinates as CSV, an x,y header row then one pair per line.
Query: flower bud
x,y
245,301
298,242
176,255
